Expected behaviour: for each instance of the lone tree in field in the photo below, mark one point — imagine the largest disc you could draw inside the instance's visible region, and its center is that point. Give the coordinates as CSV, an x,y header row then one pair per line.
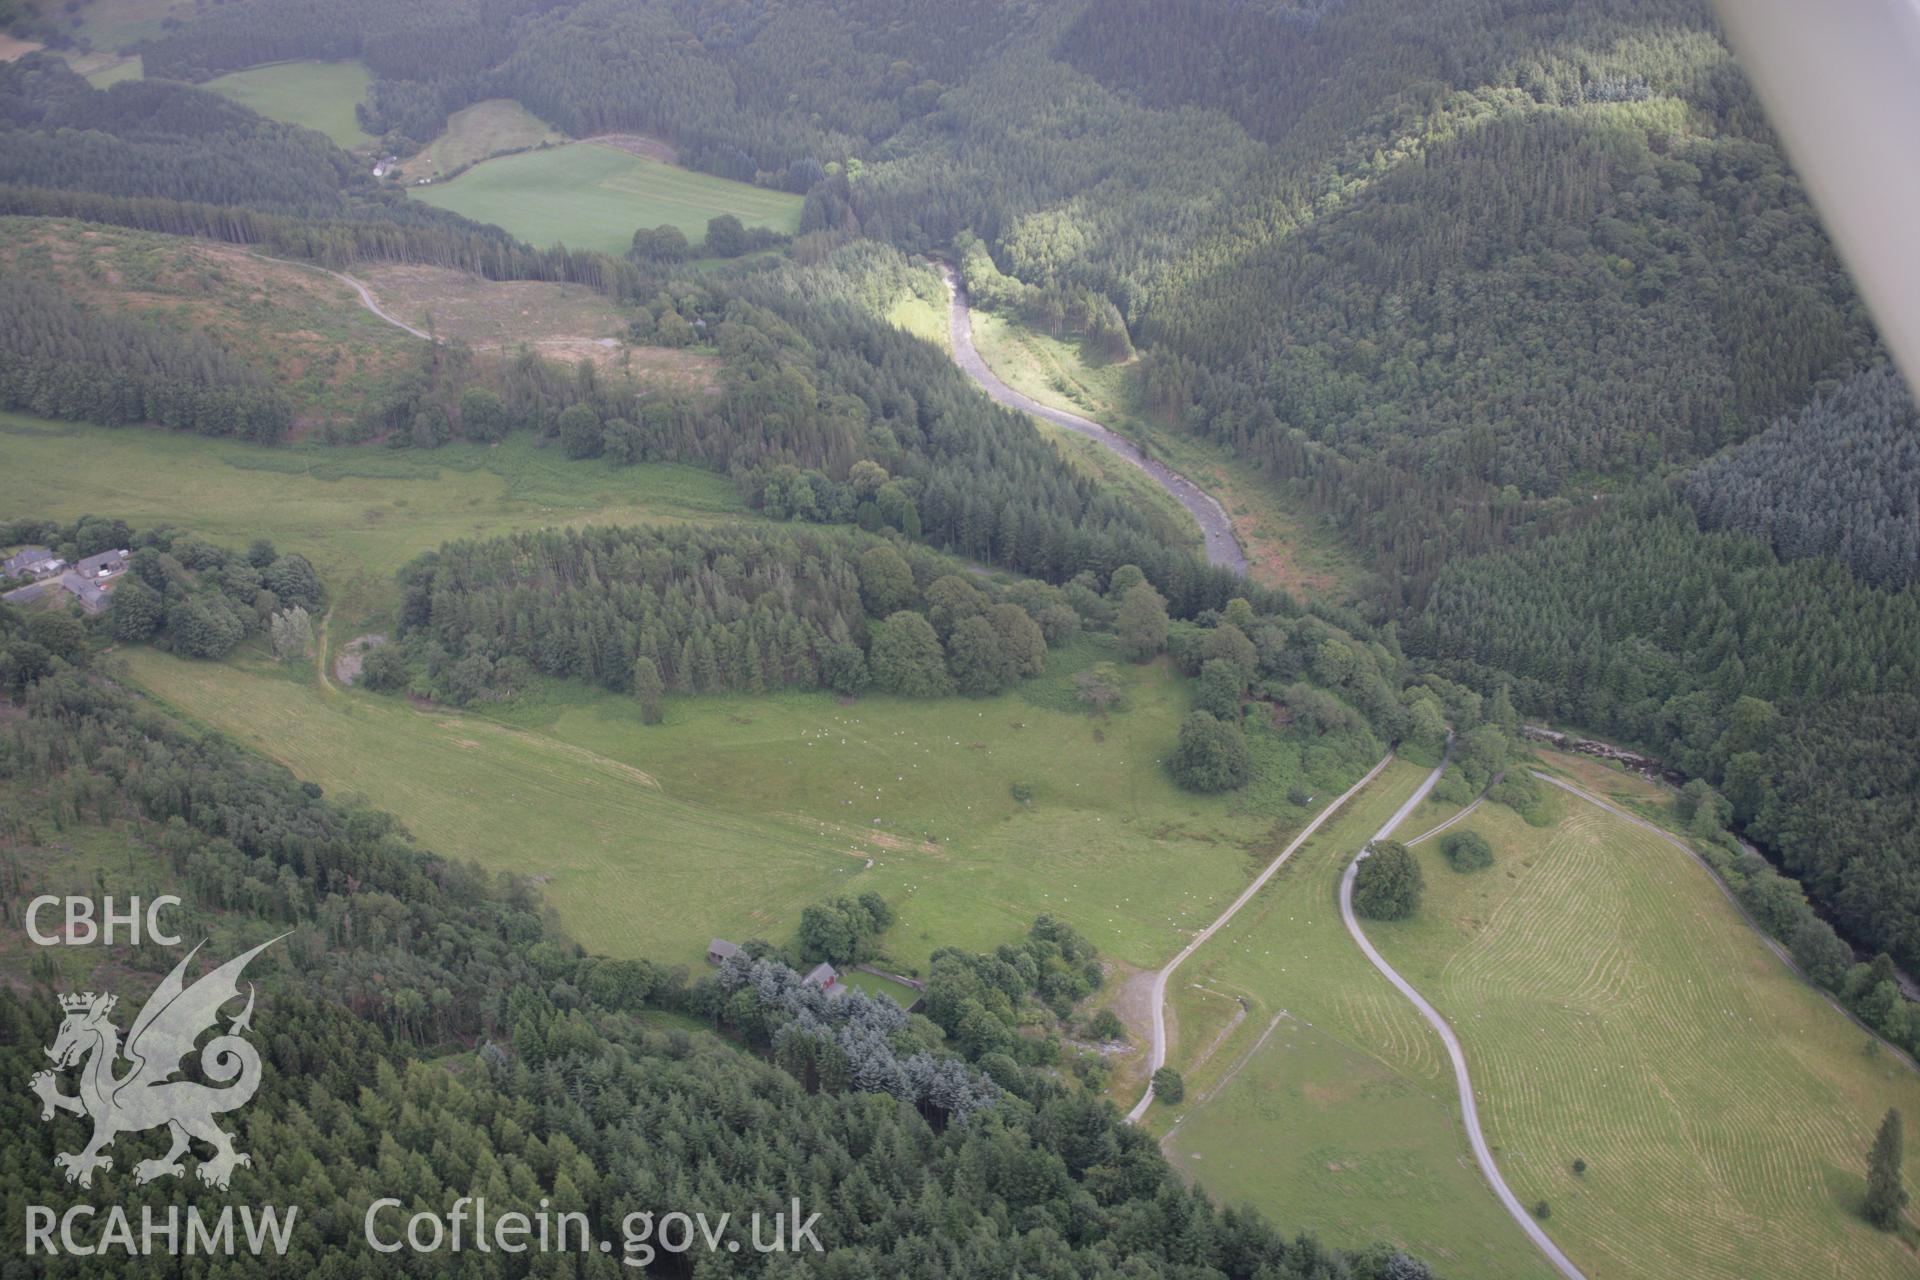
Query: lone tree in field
x,y
1467,851
1885,1196
1211,756
726,237
1389,884
1169,1086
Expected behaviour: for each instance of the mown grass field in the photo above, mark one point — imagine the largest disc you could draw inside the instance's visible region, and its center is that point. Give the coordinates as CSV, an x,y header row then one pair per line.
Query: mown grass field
x,y
588,196
1283,547
357,512
473,133
738,811
1342,1112
318,95
1615,1008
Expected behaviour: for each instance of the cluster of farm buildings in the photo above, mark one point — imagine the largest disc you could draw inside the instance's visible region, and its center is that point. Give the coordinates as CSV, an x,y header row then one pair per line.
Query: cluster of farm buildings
x,y
89,580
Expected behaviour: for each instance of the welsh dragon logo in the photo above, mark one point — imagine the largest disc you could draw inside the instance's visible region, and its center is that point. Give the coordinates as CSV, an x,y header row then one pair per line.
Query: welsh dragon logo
x,y
148,1095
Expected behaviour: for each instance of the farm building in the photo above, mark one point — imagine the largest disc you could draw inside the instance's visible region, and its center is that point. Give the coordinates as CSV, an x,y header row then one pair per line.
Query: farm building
x,y
89,581
720,949
823,976
31,562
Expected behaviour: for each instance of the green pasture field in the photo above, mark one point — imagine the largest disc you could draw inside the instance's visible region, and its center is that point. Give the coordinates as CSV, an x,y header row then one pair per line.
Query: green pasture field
x,y
319,95
738,811
1615,1008
589,196
358,512
473,133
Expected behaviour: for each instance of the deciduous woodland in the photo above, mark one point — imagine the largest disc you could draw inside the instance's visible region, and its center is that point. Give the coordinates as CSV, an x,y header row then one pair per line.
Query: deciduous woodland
x,y
1512,318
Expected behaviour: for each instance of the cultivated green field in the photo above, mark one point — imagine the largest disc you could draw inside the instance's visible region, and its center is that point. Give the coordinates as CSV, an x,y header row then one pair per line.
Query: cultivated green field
x,y
738,811
319,95
1340,1113
1615,1008
358,513
589,196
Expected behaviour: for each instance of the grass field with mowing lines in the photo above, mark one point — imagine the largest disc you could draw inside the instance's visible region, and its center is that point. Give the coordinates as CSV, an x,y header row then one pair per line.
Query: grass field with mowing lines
x,y
738,811
357,512
1615,1008
318,95
1345,1116
588,196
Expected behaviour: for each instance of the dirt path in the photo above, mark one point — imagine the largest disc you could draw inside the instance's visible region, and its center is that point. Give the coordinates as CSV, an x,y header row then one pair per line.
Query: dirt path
x,y
367,299
1458,817
1215,525
1157,1052
1469,1106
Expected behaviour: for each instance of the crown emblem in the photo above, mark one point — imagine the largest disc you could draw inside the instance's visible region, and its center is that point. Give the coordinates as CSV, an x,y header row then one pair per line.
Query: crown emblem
x,y
84,1001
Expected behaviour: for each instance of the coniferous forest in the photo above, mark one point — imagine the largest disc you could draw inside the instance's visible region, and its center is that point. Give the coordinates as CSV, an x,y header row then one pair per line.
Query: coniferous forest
x,y
1518,304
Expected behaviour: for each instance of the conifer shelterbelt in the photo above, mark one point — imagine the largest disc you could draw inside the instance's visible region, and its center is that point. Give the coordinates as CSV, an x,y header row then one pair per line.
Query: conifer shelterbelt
x,y
1886,1191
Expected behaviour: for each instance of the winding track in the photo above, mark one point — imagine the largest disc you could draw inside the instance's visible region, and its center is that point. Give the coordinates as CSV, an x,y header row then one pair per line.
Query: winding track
x,y
1469,1107
1157,1052
367,299
1222,548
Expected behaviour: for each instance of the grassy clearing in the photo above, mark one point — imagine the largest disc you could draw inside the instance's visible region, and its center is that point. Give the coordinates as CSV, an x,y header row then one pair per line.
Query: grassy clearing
x,y
106,69
358,513
922,319
318,95
1616,1009
565,322
875,985
588,196
474,133
492,313
1283,547
1342,1112
738,811
303,328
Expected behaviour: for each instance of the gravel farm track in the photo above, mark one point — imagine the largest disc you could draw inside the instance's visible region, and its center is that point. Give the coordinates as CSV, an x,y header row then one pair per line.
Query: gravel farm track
x,y
1223,549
